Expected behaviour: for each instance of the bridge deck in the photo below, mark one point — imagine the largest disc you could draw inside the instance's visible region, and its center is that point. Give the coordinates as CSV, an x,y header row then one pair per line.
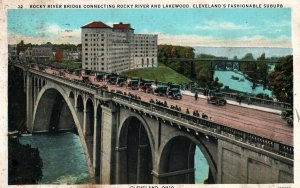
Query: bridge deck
x,y
261,123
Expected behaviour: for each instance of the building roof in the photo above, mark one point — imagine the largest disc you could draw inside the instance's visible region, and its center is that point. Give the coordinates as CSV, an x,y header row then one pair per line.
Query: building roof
x,y
121,26
96,24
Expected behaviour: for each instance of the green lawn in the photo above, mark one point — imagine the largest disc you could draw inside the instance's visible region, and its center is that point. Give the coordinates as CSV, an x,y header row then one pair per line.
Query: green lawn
x,y
160,73
70,64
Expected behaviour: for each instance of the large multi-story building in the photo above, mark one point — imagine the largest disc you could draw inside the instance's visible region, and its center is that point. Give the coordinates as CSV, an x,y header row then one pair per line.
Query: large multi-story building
x,y
117,48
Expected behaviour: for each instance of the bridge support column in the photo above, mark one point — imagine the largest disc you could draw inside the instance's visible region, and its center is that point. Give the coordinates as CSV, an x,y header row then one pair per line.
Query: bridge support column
x,y
121,165
96,148
24,79
35,92
142,165
108,134
86,122
29,102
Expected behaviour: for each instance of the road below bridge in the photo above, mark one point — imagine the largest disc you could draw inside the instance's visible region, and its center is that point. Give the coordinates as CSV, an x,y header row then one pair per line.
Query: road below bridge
x,y
261,123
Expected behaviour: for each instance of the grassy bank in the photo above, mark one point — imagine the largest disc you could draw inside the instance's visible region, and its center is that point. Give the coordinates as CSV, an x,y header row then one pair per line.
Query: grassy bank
x,y
70,64
160,73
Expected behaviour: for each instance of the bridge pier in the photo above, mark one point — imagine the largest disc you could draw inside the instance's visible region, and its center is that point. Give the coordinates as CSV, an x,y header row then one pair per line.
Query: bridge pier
x,y
24,81
29,106
121,165
96,146
86,122
35,91
237,164
108,134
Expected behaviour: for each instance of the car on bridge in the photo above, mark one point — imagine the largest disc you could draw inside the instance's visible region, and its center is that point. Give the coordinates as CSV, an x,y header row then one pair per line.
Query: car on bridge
x,y
160,90
132,84
85,79
120,81
174,93
99,77
216,98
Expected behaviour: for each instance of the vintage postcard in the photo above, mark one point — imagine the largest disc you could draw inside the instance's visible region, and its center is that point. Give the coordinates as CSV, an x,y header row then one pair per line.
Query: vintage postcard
x,y
149,94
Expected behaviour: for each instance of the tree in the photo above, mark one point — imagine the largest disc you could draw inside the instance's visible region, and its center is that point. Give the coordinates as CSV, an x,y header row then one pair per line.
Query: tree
x,y
281,80
215,84
248,57
174,53
262,57
24,163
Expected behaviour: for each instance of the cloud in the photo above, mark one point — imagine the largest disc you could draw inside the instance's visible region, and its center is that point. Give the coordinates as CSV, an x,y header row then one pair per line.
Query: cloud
x,y
56,34
51,33
213,25
209,41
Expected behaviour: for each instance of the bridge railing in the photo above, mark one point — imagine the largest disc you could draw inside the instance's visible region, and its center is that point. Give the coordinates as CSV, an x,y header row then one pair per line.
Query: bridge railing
x,y
218,128
254,100
259,102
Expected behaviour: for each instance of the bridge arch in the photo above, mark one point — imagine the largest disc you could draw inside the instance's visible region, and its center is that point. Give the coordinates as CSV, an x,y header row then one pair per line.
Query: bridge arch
x,y
47,92
135,151
79,103
176,156
41,112
40,83
71,95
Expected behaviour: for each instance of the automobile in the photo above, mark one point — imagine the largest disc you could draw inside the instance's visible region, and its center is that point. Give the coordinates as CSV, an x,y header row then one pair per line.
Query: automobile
x,y
108,76
132,84
85,78
120,81
112,80
77,72
174,93
161,90
174,86
145,87
99,77
216,98
88,72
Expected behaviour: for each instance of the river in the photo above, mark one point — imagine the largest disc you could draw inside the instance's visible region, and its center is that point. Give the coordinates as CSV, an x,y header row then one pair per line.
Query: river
x,y
63,158
243,86
64,161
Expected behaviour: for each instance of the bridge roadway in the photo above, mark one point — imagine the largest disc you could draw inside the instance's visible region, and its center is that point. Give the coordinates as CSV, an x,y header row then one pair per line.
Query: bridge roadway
x,y
261,123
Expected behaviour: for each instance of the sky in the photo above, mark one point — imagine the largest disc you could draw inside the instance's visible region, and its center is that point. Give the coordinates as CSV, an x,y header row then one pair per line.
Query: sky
x,y
187,27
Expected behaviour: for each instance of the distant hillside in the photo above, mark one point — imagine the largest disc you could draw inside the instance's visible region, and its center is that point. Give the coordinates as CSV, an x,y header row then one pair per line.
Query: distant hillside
x,y
160,73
